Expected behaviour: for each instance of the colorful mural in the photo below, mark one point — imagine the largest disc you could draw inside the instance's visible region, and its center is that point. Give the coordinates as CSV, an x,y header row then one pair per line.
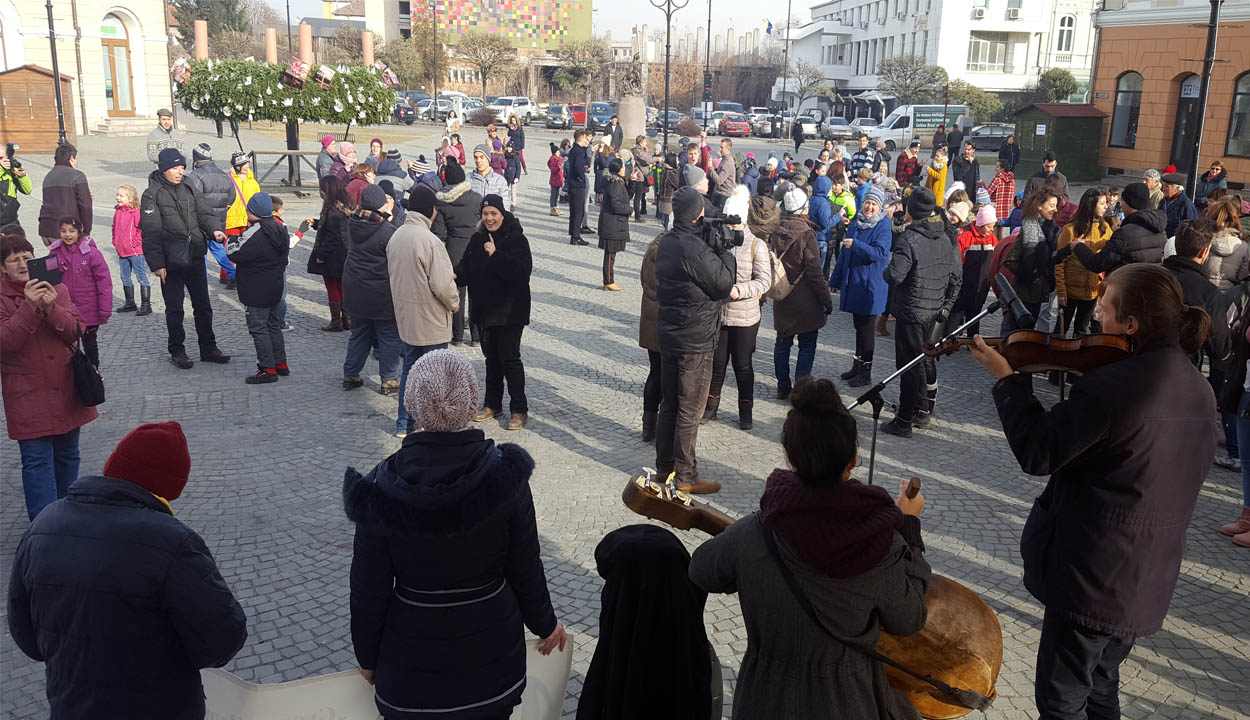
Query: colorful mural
x,y
534,24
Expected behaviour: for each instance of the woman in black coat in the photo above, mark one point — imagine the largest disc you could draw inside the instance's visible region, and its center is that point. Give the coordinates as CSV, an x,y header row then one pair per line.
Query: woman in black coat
x,y
613,220
496,268
445,564
329,250
516,140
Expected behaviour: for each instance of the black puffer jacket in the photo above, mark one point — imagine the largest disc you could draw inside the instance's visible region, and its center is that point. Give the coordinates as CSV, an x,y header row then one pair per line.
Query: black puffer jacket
x,y
214,186
499,284
366,277
446,575
123,603
174,222
1139,239
329,250
459,213
613,228
691,280
261,256
924,271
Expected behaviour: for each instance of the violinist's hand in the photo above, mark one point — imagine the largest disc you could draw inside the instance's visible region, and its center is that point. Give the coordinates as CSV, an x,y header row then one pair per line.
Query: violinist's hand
x,y
990,358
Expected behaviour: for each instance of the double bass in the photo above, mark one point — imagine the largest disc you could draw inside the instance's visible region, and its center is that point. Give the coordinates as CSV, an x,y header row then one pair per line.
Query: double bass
x,y
960,645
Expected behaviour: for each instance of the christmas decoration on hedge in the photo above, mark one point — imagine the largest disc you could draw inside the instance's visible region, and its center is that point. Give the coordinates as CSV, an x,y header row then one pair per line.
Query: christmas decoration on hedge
x,y
250,90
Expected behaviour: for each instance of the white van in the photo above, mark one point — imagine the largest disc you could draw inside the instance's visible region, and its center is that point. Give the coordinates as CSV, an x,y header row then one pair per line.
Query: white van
x,y
915,122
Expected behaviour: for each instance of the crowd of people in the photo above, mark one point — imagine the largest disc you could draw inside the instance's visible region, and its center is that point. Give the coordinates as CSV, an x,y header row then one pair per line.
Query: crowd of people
x,y
413,254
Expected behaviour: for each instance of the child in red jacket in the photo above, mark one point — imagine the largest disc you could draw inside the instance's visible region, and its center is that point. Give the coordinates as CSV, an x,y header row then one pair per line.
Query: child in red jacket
x,y
86,276
555,164
128,242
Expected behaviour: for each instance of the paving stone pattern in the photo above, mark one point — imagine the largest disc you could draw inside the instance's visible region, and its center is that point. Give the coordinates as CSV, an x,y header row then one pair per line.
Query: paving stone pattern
x,y
268,463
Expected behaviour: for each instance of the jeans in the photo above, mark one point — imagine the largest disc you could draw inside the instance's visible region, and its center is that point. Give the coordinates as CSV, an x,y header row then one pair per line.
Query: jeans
x,y
49,467
1078,671
577,212
282,306
652,393
555,197
912,396
219,254
265,328
684,381
781,357
136,264
411,353
195,282
1243,440
365,333
501,344
738,343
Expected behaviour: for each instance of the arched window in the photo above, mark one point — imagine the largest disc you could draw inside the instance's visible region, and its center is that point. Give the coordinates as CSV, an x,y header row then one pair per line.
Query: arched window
x,y
1067,26
1127,107
1239,119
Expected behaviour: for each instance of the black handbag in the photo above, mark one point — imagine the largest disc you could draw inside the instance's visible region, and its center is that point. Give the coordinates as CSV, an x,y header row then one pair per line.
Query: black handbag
x,y
88,383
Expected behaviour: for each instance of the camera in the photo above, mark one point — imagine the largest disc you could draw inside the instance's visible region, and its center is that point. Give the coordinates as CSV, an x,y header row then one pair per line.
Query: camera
x,y
9,150
718,234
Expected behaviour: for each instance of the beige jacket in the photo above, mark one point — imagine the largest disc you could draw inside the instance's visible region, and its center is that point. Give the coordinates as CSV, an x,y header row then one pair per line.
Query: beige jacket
x,y
755,277
423,286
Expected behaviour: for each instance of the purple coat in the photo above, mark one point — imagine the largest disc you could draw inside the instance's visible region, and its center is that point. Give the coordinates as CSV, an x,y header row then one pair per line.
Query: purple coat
x,y
86,276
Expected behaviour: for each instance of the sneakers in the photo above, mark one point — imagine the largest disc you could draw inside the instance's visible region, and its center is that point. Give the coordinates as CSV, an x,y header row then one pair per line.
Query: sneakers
x,y
897,427
1229,463
181,361
702,487
518,421
215,356
283,369
390,387
351,382
263,376
486,414
1239,526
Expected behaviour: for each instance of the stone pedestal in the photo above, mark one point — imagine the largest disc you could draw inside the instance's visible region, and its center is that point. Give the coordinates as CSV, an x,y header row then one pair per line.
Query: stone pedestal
x,y
632,115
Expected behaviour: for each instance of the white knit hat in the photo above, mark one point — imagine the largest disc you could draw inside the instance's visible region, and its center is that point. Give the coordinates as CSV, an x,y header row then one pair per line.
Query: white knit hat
x,y
442,391
795,201
739,202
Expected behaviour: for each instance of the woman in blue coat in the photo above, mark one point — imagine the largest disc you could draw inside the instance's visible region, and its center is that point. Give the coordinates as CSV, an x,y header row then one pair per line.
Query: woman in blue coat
x,y
859,279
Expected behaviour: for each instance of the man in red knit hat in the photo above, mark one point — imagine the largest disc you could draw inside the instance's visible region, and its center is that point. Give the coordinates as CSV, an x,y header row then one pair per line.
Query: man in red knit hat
x,y
122,601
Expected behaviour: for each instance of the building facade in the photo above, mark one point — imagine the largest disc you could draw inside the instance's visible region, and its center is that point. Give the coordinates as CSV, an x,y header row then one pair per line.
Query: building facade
x,y
119,64
1147,80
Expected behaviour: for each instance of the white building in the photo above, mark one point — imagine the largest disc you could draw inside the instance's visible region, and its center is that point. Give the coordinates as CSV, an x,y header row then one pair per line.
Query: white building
x,y
1000,46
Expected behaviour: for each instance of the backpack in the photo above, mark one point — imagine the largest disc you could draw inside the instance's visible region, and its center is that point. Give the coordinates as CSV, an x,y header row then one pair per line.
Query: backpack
x,y
781,287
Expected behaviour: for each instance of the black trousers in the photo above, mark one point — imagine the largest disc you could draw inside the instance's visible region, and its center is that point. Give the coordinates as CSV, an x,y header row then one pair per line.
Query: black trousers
x,y
865,336
639,189
912,396
501,344
577,212
1080,310
737,343
195,282
461,318
651,391
684,381
609,267
1078,671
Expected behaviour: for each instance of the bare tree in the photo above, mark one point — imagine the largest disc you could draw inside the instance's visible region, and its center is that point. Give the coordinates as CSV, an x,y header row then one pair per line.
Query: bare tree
x,y
910,79
809,82
487,54
582,63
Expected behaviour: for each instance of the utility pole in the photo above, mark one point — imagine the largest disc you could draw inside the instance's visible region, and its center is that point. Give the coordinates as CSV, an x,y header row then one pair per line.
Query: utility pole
x,y
289,47
785,59
434,55
56,79
668,7
707,69
1208,61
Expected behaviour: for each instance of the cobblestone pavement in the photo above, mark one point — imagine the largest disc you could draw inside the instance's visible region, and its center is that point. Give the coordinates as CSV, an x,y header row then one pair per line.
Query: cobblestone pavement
x,y
268,463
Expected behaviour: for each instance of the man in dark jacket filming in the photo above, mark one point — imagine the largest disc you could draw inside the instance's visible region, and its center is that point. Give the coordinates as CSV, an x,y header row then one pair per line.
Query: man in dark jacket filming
x,y
924,275
122,601
692,278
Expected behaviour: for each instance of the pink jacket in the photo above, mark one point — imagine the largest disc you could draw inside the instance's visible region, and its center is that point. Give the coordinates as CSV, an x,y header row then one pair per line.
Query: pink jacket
x,y
86,275
38,386
127,240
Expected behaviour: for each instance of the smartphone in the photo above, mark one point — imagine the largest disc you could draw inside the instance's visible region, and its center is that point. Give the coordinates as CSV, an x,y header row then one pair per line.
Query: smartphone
x,y
45,268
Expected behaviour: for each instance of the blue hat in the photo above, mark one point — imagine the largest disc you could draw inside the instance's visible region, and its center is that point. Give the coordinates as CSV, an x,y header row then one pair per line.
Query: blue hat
x,y
261,205
169,158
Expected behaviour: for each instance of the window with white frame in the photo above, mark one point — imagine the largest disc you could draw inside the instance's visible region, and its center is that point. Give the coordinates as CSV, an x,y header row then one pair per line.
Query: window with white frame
x,y
987,52
1128,89
1067,28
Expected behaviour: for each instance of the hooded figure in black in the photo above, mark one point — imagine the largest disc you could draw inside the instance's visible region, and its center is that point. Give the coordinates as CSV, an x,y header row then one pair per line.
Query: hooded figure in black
x,y
651,621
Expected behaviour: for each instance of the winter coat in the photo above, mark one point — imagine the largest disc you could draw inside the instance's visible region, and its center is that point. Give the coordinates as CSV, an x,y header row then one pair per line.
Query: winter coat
x,y
613,230
127,238
763,217
955,141
366,277
976,254
516,137
924,271
175,222
751,178
148,608
492,183
325,161
617,134
1229,262
512,167
422,286
861,159
1127,453
1139,238
65,193
792,669
260,258
339,168
1031,260
556,165
796,132
1040,177
215,187
1002,190
691,280
966,171
807,307
820,211
1009,153
35,351
648,317
1072,280
935,179
86,275
641,158
907,169
1178,210
578,162
723,177
499,284
1198,291
458,217
1207,183
160,138
329,250
601,169
754,278
499,163
858,274
244,188
668,184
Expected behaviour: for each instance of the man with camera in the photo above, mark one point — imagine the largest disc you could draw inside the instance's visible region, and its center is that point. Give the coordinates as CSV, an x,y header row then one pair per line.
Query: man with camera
x,y
694,272
13,179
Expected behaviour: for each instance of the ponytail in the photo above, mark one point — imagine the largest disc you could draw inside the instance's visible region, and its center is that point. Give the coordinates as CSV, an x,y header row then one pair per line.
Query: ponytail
x,y
1195,323
1148,292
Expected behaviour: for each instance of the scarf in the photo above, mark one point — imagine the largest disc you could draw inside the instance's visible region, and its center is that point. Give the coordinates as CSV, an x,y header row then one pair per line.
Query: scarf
x,y
868,223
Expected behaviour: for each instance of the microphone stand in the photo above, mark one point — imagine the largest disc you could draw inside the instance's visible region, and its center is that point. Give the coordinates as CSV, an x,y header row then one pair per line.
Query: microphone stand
x,y
873,395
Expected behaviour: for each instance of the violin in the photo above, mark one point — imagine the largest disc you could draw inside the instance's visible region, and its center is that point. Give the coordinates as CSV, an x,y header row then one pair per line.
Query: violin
x,y
1033,351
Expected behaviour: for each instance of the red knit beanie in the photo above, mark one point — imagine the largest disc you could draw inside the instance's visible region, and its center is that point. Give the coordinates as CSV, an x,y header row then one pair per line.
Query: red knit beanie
x,y
154,457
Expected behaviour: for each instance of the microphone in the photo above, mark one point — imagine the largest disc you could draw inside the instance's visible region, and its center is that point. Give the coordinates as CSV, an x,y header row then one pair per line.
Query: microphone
x,y
1024,318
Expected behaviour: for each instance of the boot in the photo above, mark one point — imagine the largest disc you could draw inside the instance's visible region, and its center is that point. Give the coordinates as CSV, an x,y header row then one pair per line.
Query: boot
x,y
129,305
744,414
709,412
854,371
336,318
1242,540
648,425
347,321
863,377
1239,526
145,306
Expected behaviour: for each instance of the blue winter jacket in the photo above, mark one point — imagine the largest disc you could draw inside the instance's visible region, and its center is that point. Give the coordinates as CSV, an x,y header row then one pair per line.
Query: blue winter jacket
x,y
859,274
820,211
751,178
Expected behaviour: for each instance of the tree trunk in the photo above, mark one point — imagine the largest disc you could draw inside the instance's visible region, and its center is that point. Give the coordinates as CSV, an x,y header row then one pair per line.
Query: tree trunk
x,y
587,117
484,103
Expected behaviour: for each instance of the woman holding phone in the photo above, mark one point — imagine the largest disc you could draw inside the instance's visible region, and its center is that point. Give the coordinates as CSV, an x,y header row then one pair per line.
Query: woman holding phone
x,y
39,327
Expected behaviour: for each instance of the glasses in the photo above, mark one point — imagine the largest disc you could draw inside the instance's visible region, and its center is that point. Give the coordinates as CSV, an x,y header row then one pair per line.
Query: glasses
x,y
18,259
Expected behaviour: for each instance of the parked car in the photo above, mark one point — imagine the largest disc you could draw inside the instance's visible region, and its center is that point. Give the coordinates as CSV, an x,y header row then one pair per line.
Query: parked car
x,y
864,124
559,117
521,106
600,116
404,112
713,123
735,124
763,127
809,126
577,111
837,129
412,96
988,137
670,119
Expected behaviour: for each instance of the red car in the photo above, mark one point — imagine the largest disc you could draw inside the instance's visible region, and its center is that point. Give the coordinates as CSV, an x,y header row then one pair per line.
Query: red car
x,y
578,112
735,124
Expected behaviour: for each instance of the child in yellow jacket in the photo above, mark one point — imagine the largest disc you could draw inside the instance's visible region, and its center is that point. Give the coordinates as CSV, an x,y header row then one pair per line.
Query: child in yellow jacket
x,y
935,174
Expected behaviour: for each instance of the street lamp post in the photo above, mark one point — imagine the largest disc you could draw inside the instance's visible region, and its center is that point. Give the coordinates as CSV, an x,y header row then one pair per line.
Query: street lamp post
x,y
785,60
668,7
56,79
289,46
434,55
1208,60
707,69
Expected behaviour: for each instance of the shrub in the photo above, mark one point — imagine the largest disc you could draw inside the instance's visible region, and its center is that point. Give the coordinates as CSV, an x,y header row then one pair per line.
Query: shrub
x,y
689,128
482,116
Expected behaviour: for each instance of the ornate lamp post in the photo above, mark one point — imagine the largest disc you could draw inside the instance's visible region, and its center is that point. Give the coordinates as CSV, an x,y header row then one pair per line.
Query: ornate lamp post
x,y
668,7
